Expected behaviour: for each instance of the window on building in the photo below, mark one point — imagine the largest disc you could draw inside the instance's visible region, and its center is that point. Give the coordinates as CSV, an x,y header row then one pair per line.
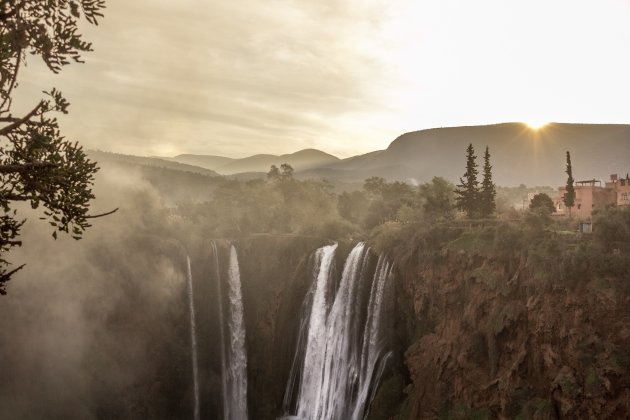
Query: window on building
x,y
579,206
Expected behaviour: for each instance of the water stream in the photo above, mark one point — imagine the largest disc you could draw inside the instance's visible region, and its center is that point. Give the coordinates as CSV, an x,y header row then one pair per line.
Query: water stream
x,y
341,352
193,339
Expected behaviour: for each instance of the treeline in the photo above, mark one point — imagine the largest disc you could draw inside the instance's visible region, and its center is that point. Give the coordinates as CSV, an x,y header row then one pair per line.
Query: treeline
x,y
390,212
282,204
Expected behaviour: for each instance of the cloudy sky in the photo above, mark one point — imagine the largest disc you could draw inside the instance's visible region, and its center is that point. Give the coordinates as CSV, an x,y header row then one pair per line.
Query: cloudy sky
x,y
238,77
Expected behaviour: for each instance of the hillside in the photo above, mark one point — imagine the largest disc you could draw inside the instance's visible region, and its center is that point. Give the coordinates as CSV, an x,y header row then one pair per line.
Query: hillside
x,y
300,161
204,161
107,157
519,154
175,182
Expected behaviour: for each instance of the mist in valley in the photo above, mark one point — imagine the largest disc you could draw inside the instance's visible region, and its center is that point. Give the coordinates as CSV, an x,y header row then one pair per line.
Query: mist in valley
x,y
314,210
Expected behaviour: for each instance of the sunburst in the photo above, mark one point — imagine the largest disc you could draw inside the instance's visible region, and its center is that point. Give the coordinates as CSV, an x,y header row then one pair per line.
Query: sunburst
x,y
536,125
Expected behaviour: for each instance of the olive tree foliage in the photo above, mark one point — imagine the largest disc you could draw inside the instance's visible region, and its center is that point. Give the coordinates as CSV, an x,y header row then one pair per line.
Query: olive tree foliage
x,y
439,199
542,204
37,164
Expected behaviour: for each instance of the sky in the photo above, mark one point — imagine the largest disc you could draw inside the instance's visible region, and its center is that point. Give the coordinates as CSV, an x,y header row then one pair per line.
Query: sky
x,y
240,77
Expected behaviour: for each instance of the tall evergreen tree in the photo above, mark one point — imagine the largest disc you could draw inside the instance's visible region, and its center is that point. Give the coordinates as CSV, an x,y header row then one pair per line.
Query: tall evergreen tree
x,y
467,192
569,196
487,204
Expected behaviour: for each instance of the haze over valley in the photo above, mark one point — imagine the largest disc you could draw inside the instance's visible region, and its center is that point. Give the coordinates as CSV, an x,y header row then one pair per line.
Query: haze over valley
x,y
314,210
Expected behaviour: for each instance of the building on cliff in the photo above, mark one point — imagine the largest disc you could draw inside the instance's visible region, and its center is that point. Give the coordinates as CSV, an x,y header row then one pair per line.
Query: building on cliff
x,y
591,195
621,186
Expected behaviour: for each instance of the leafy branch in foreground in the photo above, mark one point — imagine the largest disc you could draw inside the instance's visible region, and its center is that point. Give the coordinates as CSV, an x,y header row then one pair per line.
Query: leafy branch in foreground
x,y
37,164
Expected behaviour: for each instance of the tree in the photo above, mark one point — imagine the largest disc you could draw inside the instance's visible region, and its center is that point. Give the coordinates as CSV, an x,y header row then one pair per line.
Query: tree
x,y
284,173
274,173
37,164
569,195
542,205
353,206
439,199
467,192
487,203
374,185
611,228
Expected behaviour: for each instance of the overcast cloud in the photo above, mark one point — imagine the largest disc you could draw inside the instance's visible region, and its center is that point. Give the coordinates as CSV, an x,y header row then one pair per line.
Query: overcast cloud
x,y
347,76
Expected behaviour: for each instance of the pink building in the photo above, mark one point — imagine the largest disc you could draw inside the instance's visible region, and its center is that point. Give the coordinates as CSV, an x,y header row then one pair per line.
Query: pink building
x,y
590,195
621,186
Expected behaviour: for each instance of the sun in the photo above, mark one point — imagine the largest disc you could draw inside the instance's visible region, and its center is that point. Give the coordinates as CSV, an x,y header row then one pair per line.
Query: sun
x,y
536,125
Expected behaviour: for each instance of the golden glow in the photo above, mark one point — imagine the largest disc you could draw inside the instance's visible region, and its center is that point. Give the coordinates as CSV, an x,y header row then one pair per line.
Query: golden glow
x,y
536,125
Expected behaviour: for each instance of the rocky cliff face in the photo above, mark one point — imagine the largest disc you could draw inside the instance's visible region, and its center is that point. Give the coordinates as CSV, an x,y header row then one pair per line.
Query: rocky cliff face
x,y
489,338
476,335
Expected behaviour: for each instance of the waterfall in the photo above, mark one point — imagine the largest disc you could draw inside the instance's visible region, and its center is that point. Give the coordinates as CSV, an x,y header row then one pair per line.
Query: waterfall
x,y
224,387
233,352
340,342
193,340
237,366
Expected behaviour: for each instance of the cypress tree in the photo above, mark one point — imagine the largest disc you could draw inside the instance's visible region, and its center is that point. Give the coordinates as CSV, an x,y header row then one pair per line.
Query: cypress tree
x,y
569,196
467,192
487,204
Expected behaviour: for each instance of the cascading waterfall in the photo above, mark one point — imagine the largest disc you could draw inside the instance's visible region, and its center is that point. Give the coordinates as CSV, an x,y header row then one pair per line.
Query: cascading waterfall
x,y
233,352
215,253
237,366
193,339
341,354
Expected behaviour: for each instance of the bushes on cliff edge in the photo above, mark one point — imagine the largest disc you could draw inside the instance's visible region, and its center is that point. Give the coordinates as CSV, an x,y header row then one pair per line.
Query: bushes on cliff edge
x,y
611,228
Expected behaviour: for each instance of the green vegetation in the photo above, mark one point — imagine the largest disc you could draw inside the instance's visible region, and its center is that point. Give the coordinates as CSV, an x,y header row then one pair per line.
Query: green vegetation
x,y
542,205
468,187
476,201
611,228
37,164
488,193
392,214
569,196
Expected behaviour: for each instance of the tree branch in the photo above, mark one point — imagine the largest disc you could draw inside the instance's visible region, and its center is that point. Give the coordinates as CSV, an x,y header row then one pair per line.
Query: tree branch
x,y
102,214
17,197
23,167
6,277
7,100
12,243
7,129
13,12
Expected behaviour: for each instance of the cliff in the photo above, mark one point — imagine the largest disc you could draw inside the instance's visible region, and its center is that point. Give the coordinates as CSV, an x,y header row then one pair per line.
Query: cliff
x,y
490,336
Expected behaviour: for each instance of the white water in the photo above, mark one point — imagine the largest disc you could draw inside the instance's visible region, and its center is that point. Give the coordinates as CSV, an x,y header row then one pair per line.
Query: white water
x,y
236,391
193,339
224,387
343,350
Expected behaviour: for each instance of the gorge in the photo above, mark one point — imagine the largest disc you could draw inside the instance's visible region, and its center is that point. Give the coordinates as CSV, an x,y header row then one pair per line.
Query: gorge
x,y
455,321
374,340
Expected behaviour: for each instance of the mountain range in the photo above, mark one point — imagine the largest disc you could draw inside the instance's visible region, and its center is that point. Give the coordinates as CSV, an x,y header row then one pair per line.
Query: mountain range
x,y
300,161
519,155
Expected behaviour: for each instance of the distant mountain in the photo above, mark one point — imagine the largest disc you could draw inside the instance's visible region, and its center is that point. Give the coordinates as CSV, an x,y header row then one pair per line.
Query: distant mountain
x,y
101,156
519,154
175,182
204,161
300,161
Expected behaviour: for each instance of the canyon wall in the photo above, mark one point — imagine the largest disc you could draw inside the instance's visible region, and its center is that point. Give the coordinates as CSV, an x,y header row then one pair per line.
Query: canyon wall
x,y
489,336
